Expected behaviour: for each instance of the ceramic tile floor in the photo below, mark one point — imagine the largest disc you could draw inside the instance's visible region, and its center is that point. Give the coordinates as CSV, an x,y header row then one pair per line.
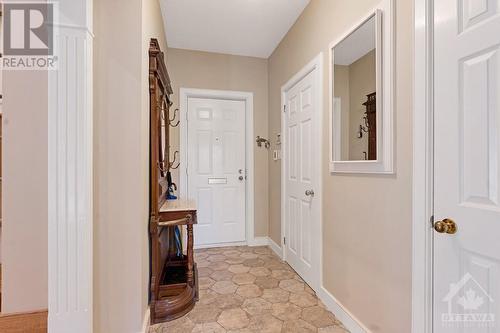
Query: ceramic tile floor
x,y
250,290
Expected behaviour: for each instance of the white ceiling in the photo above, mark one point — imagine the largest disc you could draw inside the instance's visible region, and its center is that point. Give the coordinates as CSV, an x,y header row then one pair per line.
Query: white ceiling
x,y
356,45
239,27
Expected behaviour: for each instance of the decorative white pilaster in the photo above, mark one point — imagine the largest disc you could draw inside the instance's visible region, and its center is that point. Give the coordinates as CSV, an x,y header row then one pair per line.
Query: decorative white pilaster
x,y
70,171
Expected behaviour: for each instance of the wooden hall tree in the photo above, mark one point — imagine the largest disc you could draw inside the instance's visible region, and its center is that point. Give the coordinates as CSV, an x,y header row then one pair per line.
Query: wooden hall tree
x,y
173,285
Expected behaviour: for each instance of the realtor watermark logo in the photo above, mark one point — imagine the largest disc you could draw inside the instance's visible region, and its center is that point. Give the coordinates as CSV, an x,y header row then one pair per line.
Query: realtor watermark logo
x,y
469,305
28,35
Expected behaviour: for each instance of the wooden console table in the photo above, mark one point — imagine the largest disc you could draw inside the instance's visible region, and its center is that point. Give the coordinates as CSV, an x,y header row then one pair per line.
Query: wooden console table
x,y
175,288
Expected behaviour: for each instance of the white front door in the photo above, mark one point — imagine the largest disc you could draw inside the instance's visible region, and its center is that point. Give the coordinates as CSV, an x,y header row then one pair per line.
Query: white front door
x,y
467,173
216,169
302,174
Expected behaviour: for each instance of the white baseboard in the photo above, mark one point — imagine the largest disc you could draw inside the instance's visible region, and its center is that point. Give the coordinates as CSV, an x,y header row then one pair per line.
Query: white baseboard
x,y
348,319
207,246
146,321
259,241
275,247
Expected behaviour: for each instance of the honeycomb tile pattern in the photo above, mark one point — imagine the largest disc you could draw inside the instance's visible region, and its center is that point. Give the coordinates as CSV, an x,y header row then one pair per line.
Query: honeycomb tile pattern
x,y
250,290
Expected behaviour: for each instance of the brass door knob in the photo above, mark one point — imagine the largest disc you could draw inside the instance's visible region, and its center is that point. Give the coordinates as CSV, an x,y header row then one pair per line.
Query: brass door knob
x,y
446,226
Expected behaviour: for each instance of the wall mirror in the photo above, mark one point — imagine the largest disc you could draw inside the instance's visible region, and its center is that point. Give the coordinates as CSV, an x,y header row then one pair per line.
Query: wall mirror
x,y
361,93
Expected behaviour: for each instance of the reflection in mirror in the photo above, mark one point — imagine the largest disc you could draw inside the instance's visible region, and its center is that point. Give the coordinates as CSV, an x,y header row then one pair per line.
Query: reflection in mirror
x,y
355,88
163,137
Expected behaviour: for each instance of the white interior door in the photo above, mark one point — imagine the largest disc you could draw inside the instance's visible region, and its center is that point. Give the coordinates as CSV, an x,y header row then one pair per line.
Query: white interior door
x,y
302,176
467,150
216,169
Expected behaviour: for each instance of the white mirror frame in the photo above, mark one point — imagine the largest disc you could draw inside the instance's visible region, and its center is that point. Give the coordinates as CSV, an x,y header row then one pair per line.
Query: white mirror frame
x,y
384,163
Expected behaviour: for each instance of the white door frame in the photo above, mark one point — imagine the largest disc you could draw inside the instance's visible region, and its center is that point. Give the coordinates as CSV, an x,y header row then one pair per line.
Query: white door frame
x,y
423,164
314,65
247,97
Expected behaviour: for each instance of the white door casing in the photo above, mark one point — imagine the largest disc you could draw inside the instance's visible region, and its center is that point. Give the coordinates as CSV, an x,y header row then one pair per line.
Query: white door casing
x,y
466,163
216,168
301,172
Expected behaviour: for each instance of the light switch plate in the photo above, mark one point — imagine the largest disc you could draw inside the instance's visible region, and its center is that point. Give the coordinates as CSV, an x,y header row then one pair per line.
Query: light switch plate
x,y
276,155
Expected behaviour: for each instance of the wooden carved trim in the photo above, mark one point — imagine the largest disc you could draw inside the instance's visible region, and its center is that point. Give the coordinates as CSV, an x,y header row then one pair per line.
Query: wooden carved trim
x,y
159,66
32,322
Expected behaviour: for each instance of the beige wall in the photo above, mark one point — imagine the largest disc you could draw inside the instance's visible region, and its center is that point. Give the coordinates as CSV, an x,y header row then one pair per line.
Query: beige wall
x,y
193,69
366,219
121,208
24,191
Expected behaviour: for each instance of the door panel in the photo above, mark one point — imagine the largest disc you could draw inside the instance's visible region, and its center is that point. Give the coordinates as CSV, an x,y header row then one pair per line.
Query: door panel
x,y
205,206
230,146
306,153
305,232
302,165
216,161
292,225
292,152
466,173
479,157
204,139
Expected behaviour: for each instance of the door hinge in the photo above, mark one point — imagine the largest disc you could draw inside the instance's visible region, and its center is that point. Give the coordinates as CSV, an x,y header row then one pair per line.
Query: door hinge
x,y
284,240
284,108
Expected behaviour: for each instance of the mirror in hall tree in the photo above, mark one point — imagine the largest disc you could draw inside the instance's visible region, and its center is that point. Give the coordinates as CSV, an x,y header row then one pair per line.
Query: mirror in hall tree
x,y
163,130
361,104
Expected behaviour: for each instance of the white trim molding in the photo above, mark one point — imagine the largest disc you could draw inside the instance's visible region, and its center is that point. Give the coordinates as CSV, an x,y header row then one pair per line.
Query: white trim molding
x,y
315,64
146,322
422,248
247,97
70,144
215,245
385,54
350,322
275,247
259,241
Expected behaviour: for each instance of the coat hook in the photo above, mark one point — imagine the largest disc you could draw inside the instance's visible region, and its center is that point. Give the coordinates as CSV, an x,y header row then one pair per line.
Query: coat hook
x,y
175,159
261,141
170,121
